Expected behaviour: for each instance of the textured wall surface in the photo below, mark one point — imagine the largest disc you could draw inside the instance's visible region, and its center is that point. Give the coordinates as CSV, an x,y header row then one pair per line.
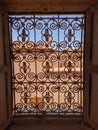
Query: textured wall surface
x,y
50,6
75,126
44,5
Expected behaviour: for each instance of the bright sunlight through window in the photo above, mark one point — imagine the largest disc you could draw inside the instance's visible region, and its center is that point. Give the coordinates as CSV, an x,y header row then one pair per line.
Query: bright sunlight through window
x,y
47,52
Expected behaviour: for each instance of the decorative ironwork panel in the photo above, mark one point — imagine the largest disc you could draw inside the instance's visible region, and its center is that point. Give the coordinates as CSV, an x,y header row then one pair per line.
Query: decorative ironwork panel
x,y
47,64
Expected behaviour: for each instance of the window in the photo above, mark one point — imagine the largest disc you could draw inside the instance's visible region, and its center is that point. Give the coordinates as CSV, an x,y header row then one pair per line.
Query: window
x,y
47,52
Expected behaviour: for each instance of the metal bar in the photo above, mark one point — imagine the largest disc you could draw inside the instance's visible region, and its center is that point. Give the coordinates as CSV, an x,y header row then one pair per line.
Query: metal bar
x,y
48,70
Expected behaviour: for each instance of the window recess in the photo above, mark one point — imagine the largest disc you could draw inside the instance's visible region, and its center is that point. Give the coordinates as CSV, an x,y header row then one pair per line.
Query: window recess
x,y
47,55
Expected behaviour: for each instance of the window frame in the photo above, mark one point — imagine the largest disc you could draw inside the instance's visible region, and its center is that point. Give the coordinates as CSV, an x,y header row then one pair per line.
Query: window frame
x,y
86,78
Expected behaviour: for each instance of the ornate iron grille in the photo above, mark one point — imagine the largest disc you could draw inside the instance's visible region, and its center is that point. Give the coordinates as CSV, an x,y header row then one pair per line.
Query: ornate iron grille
x,y
47,64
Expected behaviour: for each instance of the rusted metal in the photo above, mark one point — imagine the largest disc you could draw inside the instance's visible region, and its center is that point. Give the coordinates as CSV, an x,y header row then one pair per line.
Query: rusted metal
x,y
47,63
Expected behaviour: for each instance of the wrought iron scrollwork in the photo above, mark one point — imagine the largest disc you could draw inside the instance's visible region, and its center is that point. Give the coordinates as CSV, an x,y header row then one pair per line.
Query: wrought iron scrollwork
x,y
47,64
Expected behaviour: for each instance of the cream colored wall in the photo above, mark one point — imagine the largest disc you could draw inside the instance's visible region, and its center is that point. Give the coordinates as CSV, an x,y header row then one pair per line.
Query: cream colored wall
x,y
40,66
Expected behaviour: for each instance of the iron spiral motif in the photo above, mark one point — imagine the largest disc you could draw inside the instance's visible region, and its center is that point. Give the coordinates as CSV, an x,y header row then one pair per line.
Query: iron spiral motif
x,y
47,64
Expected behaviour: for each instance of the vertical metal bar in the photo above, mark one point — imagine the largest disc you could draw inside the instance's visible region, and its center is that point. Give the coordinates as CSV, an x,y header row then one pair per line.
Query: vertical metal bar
x,y
36,64
58,67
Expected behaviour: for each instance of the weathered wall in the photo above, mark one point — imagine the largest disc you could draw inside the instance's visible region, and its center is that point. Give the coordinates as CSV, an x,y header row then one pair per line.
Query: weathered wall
x,y
3,107
44,5
75,126
94,74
